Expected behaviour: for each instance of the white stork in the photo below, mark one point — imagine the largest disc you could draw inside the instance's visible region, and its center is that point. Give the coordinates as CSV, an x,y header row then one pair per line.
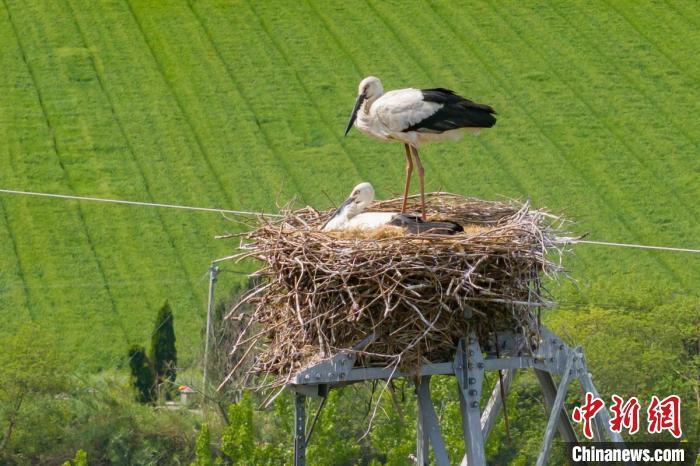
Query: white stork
x,y
415,116
350,216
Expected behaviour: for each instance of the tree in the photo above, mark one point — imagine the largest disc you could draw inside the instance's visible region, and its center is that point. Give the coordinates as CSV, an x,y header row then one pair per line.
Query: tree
x,y
142,373
29,370
163,352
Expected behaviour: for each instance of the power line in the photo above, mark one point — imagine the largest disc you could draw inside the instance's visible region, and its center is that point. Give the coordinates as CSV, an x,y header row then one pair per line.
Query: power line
x,y
636,246
84,284
136,203
264,214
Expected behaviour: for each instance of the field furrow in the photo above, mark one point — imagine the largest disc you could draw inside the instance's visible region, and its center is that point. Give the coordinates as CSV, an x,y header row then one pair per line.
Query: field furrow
x,y
641,78
14,292
683,12
657,33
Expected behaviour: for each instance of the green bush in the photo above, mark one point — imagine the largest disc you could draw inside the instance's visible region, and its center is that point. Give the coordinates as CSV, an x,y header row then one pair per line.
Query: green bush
x,y
100,416
237,440
81,459
203,448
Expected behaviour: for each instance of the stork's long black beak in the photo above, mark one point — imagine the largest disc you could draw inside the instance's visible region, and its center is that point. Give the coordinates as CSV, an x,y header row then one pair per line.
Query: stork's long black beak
x,y
347,202
358,103
340,208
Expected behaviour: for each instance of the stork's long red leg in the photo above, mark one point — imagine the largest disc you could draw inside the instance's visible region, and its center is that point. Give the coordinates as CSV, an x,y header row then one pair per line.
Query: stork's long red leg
x,y
409,170
421,177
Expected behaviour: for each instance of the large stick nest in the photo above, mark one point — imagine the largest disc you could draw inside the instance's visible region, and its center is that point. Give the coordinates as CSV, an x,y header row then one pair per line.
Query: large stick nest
x,y
418,294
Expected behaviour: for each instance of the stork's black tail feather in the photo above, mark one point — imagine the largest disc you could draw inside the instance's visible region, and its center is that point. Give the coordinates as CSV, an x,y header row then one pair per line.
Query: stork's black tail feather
x,y
417,225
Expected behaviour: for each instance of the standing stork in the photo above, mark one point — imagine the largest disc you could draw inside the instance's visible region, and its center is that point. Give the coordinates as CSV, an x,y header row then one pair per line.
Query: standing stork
x,y
413,117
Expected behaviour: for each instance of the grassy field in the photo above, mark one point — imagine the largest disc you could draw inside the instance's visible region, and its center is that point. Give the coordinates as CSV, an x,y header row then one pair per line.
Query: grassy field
x,y
241,105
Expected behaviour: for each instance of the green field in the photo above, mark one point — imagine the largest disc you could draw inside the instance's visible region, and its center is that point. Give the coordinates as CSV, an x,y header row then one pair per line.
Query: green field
x,y
241,105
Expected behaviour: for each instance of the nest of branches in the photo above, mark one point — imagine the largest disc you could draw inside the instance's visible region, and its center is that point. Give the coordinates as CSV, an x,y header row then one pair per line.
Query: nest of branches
x,y
417,295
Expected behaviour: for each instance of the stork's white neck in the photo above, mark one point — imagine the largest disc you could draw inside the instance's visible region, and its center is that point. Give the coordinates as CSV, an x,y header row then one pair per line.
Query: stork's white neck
x,y
367,104
367,122
342,217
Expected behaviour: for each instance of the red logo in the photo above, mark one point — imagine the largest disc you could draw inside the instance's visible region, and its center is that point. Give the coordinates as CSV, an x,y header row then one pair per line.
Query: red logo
x,y
661,414
665,415
625,415
586,412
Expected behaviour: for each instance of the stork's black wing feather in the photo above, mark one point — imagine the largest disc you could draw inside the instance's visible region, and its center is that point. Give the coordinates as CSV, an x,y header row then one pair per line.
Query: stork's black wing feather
x,y
337,211
417,225
456,112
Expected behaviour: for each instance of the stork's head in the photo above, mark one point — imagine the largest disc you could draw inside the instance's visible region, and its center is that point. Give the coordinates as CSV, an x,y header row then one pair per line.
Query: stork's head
x,y
370,89
360,198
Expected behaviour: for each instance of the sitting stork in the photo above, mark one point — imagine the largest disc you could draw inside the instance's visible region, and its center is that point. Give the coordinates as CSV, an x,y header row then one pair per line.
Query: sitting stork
x,y
350,216
414,116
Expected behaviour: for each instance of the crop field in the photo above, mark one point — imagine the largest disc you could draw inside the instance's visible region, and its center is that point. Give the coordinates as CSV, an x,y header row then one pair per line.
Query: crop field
x,y
242,105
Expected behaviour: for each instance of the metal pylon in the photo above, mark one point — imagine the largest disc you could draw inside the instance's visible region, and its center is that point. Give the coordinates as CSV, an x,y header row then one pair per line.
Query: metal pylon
x,y
551,356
